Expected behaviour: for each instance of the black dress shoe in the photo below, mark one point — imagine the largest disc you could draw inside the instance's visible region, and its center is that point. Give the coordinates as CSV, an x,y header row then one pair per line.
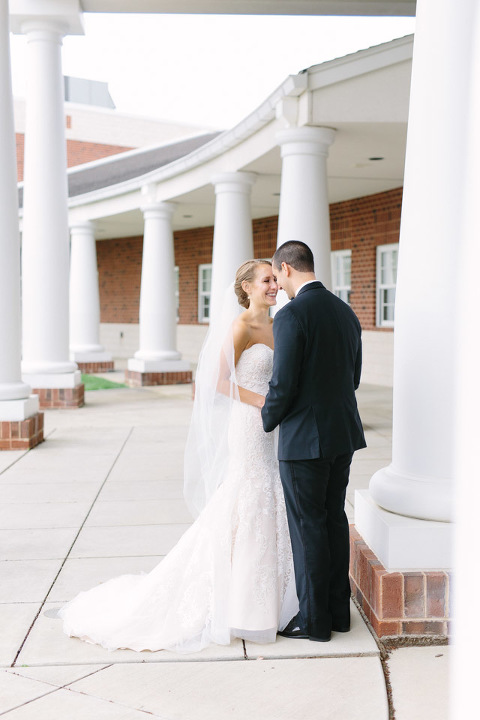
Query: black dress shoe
x,y
294,629
341,628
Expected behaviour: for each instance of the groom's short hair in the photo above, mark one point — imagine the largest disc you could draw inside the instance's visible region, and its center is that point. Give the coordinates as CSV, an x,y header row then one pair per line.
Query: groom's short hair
x,y
296,254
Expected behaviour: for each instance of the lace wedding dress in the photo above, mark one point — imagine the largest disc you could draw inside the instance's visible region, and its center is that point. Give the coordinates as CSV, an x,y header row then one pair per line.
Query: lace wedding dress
x,y
230,575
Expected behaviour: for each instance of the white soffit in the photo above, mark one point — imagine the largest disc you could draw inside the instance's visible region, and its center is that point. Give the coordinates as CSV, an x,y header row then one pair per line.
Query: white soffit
x,y
392,8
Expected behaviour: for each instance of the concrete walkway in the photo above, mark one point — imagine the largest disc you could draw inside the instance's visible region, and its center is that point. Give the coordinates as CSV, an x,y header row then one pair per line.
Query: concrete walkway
x,y
102,497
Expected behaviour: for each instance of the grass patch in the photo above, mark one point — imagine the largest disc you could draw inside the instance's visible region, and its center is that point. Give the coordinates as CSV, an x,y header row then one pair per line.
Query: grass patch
x,y
92,382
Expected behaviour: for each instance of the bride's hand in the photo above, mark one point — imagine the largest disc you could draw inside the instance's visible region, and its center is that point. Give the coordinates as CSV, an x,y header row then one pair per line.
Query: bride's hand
x,y
261,401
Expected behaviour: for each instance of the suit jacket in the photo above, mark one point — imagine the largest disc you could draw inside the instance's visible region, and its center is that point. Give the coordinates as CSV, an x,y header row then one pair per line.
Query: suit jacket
x,y
316,370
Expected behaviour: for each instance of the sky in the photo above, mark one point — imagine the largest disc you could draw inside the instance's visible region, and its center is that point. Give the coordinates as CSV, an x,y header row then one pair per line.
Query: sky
x,y
208,70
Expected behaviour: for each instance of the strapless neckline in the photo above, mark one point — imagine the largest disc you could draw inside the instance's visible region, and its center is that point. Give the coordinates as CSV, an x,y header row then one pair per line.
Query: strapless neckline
x,y
255,344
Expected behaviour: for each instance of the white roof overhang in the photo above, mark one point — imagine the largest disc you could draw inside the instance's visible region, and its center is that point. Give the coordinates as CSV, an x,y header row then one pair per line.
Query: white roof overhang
x,y
363,96
393,8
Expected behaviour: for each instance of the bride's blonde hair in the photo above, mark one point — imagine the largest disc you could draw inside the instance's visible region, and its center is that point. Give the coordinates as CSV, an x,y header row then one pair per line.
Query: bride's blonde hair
x,y
246,273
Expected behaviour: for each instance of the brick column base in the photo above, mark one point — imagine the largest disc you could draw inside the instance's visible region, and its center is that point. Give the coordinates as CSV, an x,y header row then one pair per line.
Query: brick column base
x,y
21,434
398,604
50,398
91,368
140,379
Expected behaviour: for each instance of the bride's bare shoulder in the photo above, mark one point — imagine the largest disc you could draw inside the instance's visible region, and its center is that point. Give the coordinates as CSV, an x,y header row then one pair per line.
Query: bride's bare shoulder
x,y
241,332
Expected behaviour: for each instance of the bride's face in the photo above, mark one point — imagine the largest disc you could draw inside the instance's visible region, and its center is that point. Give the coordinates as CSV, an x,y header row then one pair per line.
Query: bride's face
x,y
263,289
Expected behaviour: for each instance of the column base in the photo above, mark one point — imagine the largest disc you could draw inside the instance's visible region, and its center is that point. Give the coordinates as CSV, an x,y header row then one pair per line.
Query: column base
x,y
93,362
142,373
21,434
401,542
145,379
93,368
61,398
399,604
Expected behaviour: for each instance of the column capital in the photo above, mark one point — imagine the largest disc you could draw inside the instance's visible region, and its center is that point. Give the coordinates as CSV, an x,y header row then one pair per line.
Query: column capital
x,y
85,226
64,17
305,140
241,182
158,209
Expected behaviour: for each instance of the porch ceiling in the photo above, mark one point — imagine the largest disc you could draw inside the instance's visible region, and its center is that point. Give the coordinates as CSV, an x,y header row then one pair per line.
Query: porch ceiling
x,y
351,173
393,8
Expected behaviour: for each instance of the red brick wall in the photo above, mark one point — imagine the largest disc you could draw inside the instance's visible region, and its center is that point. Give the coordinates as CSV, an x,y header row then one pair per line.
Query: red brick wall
x,y
119,274
265,236
359,225
78,152
192,248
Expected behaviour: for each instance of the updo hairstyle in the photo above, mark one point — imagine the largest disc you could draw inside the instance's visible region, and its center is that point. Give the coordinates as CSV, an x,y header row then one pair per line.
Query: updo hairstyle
x,y
246,273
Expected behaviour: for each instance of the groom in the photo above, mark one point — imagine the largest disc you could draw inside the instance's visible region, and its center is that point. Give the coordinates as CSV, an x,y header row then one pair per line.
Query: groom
x,y
316,370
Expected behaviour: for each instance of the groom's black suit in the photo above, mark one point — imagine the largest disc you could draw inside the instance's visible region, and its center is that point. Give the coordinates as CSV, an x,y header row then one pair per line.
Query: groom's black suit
x,y
316,370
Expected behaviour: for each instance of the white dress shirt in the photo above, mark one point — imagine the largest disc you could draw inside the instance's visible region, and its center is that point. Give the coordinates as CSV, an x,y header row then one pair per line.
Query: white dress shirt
x,y
303,285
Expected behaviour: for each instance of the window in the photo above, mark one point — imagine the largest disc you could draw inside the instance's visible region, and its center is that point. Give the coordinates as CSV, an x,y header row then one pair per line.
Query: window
x,y
387,256
341,274
177,291
204,289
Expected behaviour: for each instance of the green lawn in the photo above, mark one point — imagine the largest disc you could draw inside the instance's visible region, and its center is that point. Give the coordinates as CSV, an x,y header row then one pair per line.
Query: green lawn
x,y
96,383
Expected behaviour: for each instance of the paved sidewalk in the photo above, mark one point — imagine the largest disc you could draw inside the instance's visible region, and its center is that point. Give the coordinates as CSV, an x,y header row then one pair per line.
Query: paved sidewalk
x,y
103,496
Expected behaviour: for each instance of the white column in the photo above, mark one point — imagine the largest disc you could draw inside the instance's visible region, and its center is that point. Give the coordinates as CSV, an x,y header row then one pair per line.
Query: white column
x,y
304,212
418,483
233,235
466,462
84,297
45,250
158,325
15,400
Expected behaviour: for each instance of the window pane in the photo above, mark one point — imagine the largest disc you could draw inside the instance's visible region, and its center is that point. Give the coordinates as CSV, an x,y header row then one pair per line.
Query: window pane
x,y
206,307
389,296
388,313
389,267
338,270
347,265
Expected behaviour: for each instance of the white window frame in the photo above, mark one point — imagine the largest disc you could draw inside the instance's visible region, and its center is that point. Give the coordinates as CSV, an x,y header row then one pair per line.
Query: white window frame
x,y
339,287
383,250
202,294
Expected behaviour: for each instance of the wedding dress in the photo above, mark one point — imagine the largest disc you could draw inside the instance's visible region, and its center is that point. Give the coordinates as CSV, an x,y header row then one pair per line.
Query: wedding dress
x,y
230,575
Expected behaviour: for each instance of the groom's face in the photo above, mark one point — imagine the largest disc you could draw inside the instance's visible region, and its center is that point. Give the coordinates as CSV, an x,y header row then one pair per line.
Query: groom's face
x,y
283,281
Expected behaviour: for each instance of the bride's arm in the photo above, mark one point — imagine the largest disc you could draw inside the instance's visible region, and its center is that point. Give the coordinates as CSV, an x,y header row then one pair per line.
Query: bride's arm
x,y
241,339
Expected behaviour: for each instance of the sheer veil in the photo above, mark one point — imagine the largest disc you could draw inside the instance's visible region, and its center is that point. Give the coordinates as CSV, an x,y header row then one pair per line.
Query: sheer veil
x,y
206,451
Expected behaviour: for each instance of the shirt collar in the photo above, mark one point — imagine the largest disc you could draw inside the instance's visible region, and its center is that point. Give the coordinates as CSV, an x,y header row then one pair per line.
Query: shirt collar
x,y
303,285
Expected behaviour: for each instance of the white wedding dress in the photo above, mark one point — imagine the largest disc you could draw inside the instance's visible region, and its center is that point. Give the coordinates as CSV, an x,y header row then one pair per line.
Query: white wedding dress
x,y
230,575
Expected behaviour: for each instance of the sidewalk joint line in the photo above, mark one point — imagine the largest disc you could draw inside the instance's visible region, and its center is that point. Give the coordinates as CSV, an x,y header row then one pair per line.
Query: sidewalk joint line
x,y
14,462
384,654
71,547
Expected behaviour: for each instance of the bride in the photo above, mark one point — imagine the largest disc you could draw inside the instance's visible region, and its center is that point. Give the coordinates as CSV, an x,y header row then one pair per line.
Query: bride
x,y
231,574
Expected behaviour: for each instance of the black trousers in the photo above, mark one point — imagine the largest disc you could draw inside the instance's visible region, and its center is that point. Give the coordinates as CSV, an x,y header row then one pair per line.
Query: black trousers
x,y
315,499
